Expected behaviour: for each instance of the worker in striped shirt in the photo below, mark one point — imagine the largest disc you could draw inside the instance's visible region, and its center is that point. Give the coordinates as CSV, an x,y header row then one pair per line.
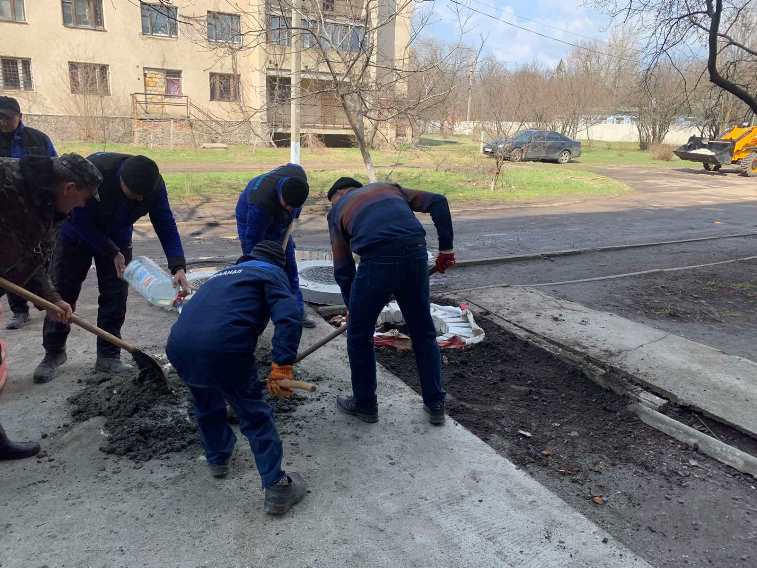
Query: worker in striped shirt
x,y
377,222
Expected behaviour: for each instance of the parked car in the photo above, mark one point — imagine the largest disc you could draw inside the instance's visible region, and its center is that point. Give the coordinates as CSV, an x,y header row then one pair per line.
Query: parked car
x,y
535,145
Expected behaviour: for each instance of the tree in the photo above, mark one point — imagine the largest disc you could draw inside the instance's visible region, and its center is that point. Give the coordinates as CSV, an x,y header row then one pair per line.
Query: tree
x,y
724,27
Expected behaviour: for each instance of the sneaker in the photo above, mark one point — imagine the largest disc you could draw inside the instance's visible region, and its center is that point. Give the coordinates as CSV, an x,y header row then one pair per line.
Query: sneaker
x,y
308,323
46,370
219,470
435,413
112,366
347,405
289,491
19,320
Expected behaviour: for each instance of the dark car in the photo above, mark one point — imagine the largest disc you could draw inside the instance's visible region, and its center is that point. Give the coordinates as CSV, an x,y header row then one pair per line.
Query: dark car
x,y
535,145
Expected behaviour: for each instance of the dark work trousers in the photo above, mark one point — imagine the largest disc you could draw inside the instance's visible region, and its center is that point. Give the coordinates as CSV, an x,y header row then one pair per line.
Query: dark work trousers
x,y
17,304
215,376
69,268
401,269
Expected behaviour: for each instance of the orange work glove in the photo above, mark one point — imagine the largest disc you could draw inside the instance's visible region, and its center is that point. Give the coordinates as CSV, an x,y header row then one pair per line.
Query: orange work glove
x,y
444,260
280,373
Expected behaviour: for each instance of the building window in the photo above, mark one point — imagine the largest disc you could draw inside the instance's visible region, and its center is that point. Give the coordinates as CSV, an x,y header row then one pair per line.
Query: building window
x,y
83,13
12,10
162,81
278,30
224,27
224,87
89,79
16,74
328,5
334,36
159,20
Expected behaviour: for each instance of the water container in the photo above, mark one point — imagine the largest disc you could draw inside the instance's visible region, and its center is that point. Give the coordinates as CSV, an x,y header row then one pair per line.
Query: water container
x,y
151,281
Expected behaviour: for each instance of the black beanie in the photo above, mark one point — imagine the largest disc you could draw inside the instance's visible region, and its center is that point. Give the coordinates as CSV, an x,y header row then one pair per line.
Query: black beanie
x,y
270,251
295,192
141,175
342,183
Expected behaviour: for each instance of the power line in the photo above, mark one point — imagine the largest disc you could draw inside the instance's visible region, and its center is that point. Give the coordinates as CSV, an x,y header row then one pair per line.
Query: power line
x,y
540,34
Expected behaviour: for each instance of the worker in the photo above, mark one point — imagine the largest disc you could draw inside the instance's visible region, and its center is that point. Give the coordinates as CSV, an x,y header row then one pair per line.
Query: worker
x,y
266,208
376,221
102,231
212,347
19,141
35,194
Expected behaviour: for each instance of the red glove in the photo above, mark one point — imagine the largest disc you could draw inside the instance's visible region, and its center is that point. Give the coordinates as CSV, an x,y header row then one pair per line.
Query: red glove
x,y
279,373
444,260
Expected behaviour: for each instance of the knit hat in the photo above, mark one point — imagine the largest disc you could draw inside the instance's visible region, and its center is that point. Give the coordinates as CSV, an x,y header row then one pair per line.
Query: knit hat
x,y
79,170
342,183
269,251
9,105
295,191
141,175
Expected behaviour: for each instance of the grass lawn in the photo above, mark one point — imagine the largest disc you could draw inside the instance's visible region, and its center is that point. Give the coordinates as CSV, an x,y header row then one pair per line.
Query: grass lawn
x,y
452,166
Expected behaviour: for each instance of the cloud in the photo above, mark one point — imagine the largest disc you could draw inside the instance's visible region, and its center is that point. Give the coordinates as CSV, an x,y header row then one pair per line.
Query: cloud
x,y
567,20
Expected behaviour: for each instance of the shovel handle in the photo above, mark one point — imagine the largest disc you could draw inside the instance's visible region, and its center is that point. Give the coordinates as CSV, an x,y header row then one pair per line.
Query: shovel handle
x,y
299,385
40,302
318,344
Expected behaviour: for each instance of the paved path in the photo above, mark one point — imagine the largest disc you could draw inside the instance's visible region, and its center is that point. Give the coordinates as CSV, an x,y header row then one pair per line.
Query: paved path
x,y
723,386
399,493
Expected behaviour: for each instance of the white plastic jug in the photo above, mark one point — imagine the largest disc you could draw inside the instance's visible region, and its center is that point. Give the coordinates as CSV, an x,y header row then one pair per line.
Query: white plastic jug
x,y
151,281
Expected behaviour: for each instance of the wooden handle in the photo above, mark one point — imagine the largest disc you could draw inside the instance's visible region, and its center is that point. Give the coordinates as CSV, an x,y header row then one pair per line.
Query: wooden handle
x,y
40,302
318,344
299,385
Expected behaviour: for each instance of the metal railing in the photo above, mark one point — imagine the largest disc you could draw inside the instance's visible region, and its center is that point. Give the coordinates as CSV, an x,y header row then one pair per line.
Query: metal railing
x,y
159,105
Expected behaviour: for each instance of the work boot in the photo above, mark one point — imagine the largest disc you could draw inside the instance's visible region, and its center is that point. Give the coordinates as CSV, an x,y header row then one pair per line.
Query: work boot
x,y
19,320
219,470
111,366
347,405
308,323
280,497
435,413
46,370
16,450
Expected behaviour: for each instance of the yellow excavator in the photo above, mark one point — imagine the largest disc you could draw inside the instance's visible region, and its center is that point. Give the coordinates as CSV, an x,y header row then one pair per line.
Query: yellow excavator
x,y
736,146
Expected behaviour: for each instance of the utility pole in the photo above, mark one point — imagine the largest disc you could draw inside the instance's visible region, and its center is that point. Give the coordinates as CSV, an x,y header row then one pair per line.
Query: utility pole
x,y
296,75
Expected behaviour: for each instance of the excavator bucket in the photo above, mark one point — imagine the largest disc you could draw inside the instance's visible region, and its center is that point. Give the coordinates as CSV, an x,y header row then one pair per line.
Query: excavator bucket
x,y
708,152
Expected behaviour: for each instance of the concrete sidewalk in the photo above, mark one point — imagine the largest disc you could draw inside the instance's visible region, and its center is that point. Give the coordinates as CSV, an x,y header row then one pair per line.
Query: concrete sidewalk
x,y
399,493
721,385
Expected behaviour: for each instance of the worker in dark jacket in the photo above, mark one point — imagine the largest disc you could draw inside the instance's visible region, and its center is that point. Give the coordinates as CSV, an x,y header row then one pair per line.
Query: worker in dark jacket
x,y
377,222
212,347
132,187
266,208
19,141
35,195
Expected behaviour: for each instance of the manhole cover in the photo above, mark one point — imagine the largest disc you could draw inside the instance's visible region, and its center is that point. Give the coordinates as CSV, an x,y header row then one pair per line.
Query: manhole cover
x,y
317,282
321,274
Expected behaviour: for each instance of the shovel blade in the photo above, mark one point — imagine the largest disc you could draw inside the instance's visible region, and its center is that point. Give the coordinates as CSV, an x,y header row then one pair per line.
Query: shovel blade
x,y
149,367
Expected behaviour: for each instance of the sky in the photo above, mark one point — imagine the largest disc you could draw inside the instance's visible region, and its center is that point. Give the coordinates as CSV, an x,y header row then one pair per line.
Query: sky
x,y
569,20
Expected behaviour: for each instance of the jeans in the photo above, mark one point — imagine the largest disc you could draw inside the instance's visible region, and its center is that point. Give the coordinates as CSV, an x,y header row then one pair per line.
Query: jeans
x,y
17,304
399,269
69,268
255,422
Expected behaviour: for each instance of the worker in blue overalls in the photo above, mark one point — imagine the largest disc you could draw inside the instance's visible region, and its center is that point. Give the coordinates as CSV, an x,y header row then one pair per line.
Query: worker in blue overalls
x,y
212,347
266,208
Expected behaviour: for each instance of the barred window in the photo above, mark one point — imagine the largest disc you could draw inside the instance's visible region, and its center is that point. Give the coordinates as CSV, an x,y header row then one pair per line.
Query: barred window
x,y
12,10
88,79
328,5
16,74
224,87
159,20
83,13
224,27
279,30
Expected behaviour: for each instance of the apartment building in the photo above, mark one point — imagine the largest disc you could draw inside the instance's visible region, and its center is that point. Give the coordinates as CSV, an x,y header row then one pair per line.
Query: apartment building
x,y
171,72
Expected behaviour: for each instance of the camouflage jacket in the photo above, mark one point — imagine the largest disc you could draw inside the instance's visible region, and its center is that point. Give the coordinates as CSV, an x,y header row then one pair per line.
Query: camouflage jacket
x,y
28,222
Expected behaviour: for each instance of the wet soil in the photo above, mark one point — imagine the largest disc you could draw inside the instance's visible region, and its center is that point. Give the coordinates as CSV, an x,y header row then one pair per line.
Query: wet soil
x,y
148,418
662,499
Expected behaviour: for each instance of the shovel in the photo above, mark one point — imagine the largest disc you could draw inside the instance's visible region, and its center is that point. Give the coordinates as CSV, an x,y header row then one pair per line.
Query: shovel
x,y
148,365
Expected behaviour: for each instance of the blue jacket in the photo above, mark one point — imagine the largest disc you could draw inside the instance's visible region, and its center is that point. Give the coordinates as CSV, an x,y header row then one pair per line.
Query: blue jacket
x,y
260,216
106,226
28,141
226,316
